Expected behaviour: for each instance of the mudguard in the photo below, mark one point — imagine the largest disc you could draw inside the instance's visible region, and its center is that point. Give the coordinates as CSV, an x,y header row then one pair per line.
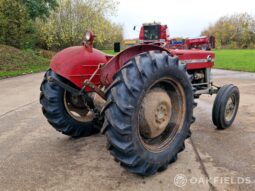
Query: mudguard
x,y
78,63
114,64
195,59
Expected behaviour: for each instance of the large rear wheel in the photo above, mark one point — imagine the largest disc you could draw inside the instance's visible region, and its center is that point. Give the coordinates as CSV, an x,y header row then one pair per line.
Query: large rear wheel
x,y
148,113
67,113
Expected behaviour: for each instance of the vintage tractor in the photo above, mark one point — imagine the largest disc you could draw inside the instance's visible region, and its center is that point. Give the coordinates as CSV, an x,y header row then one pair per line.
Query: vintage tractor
x,y
203,43
159,35
142,99
154,33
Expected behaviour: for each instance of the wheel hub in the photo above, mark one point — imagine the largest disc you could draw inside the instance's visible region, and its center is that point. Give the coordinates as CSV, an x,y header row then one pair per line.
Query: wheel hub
x,y
155,113
76,108
161,113
230,109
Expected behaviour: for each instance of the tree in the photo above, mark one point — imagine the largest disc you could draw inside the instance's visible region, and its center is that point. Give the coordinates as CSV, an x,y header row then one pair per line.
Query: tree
x,y
17,20
39,8
235,31
15,26
67,25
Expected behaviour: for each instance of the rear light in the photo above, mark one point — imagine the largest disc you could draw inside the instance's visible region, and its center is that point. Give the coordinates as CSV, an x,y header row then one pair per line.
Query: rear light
x,y
89,36
89,39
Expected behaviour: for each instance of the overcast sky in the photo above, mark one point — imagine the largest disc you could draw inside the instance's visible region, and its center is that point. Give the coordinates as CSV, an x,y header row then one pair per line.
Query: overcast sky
x,y
185,18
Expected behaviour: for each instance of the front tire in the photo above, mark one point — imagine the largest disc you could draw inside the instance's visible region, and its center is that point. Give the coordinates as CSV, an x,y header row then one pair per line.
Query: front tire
x,y
149,84
57,109
225,106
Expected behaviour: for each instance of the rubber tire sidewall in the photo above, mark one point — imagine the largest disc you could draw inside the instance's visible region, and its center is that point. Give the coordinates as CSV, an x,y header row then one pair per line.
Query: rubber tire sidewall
x,y
124,98
173,148
219,106
52,100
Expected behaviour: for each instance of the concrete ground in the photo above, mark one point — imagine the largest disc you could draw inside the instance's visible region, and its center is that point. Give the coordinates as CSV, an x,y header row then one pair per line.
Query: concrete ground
x,y
33,156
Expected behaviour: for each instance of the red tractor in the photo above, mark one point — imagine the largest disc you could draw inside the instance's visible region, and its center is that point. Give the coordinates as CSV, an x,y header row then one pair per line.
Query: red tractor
x,y
203,43
142,99
155,33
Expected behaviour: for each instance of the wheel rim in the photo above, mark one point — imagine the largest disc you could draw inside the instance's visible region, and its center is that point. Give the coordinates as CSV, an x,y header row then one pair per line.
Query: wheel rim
x,y
76,108
161,115
230,108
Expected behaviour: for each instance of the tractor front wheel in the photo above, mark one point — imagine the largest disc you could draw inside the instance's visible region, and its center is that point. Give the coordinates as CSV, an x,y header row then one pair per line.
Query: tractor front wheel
x,y
148,112
225,106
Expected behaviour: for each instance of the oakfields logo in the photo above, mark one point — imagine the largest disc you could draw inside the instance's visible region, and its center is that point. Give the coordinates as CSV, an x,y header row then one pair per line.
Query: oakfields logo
x,y
181,180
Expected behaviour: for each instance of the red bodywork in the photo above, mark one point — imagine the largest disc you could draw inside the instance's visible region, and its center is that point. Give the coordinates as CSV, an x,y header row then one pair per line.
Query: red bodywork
x,y
159,34
197,41
200,42
164,35
193,43
77,64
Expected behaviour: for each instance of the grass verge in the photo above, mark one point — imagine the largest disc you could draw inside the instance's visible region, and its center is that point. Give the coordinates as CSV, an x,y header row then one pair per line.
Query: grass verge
x,y
14,62
239,60
111,52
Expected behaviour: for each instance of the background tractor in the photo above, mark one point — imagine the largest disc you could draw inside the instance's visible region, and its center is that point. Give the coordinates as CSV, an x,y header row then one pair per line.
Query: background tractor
x,y
155,33
142,99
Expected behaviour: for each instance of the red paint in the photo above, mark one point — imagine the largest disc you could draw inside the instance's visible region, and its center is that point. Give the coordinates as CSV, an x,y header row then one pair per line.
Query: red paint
x,y
78,63
141,35
109,69
198,42
164,39
164,35
195,55
118,61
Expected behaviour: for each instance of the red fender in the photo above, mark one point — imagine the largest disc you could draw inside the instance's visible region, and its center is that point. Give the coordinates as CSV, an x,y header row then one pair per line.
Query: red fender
x,y
110,68
195,59
78,63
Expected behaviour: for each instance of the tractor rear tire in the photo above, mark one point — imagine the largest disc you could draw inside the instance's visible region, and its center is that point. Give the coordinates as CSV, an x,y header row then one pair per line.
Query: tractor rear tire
x,y
149,79
225,106
52,99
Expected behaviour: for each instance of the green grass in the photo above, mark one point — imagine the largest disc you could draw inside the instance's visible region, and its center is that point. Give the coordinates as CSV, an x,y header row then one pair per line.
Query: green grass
x,y
240,60
111,52
14,62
